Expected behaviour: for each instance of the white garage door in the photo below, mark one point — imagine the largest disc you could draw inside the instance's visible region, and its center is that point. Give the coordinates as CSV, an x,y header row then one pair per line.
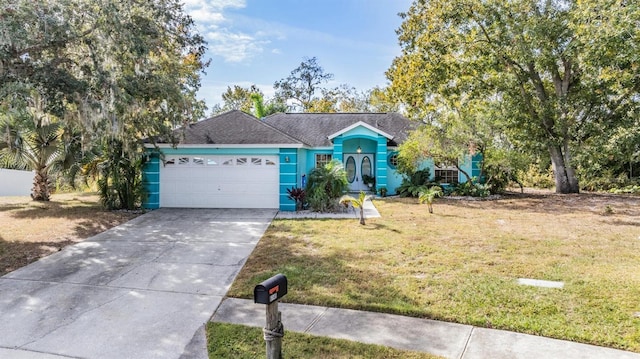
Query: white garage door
x,y
220,182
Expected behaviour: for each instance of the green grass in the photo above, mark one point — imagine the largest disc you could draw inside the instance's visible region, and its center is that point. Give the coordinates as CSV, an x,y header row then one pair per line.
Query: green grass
x,y
242,342
461,264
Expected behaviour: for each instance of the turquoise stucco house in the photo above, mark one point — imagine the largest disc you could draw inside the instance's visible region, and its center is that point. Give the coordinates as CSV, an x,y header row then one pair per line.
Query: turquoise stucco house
x,y
235,160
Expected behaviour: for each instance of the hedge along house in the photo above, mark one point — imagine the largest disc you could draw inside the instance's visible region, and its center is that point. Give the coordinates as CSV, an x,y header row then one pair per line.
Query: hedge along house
x,y
235,160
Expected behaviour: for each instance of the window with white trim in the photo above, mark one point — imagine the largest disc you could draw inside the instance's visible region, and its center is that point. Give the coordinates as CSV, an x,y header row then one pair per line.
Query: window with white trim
x,y
322,159
446,174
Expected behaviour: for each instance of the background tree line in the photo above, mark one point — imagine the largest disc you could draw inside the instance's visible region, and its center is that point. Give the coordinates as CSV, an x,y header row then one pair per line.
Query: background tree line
x,y
304,91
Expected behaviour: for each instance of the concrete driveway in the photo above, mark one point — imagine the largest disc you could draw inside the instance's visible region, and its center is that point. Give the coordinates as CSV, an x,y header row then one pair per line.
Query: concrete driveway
x,y
140,290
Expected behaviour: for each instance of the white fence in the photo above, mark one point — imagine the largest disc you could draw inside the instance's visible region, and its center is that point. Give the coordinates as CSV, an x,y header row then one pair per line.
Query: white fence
x,y
15,183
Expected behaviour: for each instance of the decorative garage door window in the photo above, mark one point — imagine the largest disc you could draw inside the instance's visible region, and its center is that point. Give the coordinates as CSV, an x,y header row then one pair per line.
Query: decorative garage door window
x,y
206,161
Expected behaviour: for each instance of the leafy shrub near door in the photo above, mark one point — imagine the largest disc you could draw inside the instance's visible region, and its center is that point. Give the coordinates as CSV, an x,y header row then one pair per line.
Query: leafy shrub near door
x,y
325,185
414,183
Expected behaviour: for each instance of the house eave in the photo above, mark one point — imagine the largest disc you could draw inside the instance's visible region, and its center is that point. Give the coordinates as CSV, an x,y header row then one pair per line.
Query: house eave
x,y
214,145
360,124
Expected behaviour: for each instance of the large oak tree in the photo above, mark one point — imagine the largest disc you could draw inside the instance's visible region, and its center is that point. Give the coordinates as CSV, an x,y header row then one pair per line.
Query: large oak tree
x,y
560,73
115,71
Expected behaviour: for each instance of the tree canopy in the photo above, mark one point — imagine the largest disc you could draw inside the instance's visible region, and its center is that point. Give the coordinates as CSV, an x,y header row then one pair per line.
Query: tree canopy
x,y
549,73
122,69
302,83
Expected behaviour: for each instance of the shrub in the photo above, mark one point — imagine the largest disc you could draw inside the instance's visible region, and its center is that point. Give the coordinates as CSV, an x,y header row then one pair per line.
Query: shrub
x,y
415,183
325,185
537,177
297,195
471,188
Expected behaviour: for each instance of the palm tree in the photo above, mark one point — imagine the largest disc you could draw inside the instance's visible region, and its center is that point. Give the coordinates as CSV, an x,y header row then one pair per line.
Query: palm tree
x,y
32,141
356,202
429,195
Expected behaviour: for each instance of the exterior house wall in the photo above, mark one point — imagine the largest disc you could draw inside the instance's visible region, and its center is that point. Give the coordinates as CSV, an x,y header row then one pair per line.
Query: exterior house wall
x,y
381,163
394,179
471,165
15,182
288,177
367,145
151,181
302,166
310,159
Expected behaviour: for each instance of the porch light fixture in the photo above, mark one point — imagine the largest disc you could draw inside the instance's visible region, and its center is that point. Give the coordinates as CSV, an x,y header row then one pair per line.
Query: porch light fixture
x,y
359,150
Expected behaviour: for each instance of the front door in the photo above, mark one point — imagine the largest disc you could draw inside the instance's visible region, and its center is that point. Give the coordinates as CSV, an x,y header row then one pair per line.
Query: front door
x,y
358,165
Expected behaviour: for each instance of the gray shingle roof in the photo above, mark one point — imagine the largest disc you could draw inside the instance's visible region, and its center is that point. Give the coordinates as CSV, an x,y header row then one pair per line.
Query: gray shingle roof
x,y
313,129
234,127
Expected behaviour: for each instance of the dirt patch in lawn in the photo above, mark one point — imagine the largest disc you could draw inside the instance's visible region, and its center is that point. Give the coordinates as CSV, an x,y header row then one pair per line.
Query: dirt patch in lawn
x,y
31,230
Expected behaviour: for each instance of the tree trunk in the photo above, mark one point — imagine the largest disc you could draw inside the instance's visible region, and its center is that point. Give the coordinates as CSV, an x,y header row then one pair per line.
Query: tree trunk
x,y
362,214
40,190
563,172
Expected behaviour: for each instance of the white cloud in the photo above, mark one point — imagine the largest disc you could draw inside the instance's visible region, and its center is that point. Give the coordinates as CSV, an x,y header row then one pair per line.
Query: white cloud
x,y
208,12
234,47
222,34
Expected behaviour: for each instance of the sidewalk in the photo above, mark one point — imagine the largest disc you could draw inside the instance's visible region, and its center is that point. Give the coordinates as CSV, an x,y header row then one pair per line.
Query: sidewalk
x,y
448,340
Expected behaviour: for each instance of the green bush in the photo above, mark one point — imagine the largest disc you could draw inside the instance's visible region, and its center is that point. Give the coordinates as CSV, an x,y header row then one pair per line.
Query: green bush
x,y
630,189
416,182
537,177
470,188
120,184
325,185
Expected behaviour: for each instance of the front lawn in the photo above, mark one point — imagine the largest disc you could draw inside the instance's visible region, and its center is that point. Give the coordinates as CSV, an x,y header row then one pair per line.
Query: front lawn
x,y
462,263
30,230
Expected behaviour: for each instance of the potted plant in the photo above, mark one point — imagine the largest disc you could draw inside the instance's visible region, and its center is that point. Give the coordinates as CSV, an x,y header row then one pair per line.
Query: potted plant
x,y
369,181
383,191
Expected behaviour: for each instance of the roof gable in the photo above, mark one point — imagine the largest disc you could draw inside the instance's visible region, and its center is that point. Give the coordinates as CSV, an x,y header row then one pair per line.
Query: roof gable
x,y
359,124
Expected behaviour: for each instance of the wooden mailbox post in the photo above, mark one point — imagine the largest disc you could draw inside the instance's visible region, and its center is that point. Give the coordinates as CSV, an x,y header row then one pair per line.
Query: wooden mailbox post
x,y
268,292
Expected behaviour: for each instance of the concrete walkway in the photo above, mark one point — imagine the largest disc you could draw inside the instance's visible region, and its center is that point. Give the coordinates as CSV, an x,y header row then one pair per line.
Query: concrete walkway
x,y
448,340
140,290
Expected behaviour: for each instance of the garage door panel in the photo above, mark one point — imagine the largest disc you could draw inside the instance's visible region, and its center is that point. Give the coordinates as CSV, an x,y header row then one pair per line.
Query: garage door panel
x,y
194,183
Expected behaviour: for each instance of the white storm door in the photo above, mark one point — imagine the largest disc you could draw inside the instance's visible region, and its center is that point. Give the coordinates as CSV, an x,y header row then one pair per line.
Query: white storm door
x,y
358,165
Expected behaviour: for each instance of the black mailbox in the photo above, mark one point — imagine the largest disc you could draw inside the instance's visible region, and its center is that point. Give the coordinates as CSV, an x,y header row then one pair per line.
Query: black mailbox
x,y
270,290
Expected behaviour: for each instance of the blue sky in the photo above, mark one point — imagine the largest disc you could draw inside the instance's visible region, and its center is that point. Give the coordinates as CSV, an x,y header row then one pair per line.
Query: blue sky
x,y
261,41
